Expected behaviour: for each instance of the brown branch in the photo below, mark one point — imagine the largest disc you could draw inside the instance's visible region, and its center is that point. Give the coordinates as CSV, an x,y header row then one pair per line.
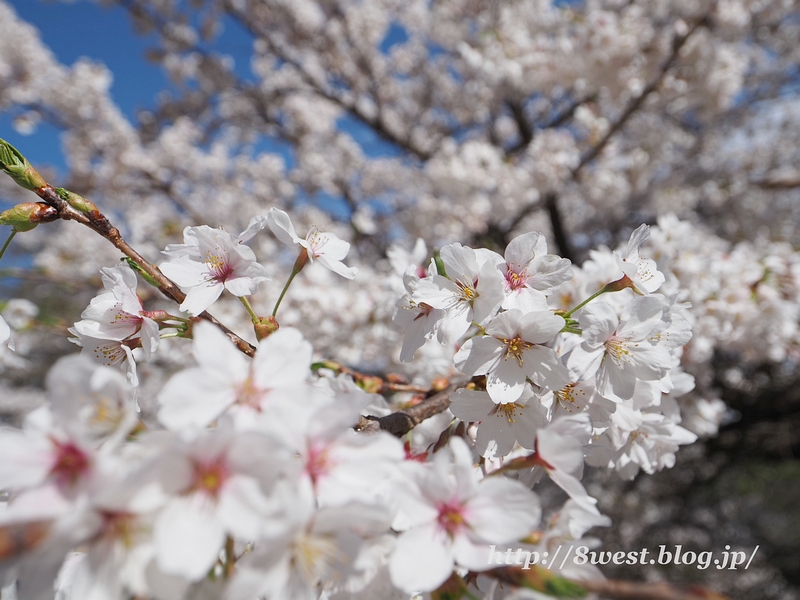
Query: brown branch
x,y
96,221
620,122
658,590
401,422
776,183
377,123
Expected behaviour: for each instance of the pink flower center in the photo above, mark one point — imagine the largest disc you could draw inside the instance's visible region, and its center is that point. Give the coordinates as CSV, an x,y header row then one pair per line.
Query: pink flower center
x,y
209,477
70,463
451,517
220,268
120,526
514,280
318,462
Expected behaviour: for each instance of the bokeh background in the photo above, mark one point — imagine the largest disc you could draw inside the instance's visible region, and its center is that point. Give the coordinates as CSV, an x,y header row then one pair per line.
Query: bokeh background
x,y
452,121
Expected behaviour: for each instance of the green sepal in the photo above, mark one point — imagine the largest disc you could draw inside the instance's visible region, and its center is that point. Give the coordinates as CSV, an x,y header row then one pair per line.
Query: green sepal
x,y
437,259
18,168
136,268
26,216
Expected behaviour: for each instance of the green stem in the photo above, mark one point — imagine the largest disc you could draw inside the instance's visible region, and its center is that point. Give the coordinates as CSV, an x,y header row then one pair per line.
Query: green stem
x,y
585,302
171,334
250,311
8,242
283,292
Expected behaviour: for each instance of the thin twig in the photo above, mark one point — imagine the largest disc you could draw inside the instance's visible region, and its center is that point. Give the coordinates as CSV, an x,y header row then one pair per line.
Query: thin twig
x,y
96,221
401,422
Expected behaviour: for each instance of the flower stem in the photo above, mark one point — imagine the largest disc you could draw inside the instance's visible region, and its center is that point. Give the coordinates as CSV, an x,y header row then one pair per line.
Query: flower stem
x,y
283,292
8,242
585,302
250,311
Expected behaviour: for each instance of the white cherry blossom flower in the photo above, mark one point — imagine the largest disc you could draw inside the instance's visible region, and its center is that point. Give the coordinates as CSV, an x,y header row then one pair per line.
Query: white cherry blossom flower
x,y
216,483
501,425
643,272
472,290
257,388
618,351
449,519
210,261
512,351
118,313
530,272
325,247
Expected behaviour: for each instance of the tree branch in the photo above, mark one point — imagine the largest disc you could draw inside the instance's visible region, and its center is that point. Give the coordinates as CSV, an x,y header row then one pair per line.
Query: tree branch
x,y
551,198
401,422
96,221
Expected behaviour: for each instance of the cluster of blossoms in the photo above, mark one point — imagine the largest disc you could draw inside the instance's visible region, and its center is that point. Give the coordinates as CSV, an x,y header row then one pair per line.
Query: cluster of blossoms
x,y
612,370
250,480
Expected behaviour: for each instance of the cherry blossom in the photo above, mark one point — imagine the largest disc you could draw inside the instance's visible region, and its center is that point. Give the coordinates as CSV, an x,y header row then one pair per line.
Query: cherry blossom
x,y
449,519
211,261
325,247
513,351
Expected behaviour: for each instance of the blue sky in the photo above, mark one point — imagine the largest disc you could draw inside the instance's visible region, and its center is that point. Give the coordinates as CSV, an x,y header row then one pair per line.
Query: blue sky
x,y
104,34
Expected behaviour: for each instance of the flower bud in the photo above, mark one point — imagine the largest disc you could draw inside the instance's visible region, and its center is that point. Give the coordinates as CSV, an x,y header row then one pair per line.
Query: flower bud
x,y
76,201
26,216
265,327
18,168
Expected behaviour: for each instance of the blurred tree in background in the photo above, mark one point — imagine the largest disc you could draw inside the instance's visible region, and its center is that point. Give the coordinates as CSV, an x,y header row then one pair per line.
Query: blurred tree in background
x,y
468,121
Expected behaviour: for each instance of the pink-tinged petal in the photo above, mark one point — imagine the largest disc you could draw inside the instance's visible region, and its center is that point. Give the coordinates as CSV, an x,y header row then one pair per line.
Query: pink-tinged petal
x,y
194,398
574,488
641,316
523,249
421,560
150,336
456,323
332,248
638,237
614,382
495,429
563,452
281,225
470,553
491,293
27,458
185,272
188,536
283,359
503,510
507,381
526,300
5,331
214,351
242,507
549,271
244,286
255,225
200,297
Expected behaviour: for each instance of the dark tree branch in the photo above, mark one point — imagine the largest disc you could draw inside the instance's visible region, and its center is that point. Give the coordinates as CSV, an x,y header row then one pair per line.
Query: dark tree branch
x,y
551,199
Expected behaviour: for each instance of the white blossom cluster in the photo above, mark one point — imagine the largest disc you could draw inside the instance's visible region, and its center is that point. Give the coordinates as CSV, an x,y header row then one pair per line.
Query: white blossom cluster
x,y
252,481
395,121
